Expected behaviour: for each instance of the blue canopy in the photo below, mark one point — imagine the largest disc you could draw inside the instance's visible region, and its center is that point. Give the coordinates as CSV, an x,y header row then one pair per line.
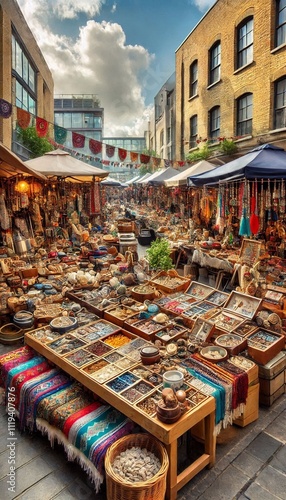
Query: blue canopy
x,y
264,162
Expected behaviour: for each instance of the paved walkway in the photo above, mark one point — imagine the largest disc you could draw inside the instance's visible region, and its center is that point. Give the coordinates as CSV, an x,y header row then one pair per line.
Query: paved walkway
x,y
250,464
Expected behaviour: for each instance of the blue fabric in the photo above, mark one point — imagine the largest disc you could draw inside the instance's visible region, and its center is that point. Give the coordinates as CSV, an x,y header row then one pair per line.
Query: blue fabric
x,y
218,394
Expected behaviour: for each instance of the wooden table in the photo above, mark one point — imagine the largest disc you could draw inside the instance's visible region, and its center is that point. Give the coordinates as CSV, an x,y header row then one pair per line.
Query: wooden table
x,y
167,434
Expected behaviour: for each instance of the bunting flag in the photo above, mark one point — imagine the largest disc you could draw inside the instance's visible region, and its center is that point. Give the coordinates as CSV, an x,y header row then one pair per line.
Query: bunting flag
x,y
5,108
133,157
23,118
122,153
78,140
156,161
167,163
41,126
109,150
144,158
60,134
95,146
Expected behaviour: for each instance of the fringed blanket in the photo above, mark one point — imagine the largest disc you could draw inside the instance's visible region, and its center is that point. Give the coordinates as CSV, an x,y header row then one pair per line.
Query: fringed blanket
x,y
12,359
34,390
18,375
86,428
229,384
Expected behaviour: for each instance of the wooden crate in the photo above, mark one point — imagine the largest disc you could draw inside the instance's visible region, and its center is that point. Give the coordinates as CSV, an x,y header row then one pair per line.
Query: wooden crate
x,y
268,400
251,412
272,380
260,355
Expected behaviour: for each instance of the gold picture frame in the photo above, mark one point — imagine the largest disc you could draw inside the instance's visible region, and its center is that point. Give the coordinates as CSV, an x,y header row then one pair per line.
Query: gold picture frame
x,y
250,251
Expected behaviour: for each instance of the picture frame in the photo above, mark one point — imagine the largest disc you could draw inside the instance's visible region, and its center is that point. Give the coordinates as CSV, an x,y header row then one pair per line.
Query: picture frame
x,y
242,305
250,251
202,330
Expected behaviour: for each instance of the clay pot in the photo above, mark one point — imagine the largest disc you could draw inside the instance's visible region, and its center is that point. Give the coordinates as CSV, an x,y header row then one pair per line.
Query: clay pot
x,y
168,415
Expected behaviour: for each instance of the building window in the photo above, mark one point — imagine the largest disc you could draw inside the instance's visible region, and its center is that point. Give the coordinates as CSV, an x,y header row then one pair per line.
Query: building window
x,y
214,123
280,104
214,58
161,138
245,43
281,22
193,131
194,79
25,77
244,115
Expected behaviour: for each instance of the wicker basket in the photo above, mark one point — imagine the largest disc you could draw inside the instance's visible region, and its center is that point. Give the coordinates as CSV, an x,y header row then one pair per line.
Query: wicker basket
x,y
152,489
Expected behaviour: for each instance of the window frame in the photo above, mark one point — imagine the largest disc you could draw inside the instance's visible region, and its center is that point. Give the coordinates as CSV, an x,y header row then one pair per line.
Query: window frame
x,y
215,63
281,108
214,132
193,75
245,49
242,124
280,27
193,131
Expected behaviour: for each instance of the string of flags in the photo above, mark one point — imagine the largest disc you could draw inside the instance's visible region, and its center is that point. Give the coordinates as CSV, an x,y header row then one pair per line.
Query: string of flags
x,y
105,154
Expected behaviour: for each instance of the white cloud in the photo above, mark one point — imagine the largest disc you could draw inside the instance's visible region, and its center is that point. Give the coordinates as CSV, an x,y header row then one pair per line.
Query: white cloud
x,y
204,5
97,61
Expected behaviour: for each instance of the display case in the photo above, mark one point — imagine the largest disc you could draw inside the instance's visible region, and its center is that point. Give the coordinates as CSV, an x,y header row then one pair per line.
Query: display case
x,y
263,345
119,313
238,308
202,330
170,282
145,328
199,291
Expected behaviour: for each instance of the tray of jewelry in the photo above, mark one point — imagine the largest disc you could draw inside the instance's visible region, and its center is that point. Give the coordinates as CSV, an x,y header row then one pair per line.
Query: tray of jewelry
x,y
199,291
263,345
170,281
119,314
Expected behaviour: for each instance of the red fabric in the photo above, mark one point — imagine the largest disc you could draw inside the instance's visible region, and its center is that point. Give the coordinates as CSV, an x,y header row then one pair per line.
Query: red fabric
x,y
78,414
122,153
95,146
41,126
109,150
144,158
23,118
78,140
133,156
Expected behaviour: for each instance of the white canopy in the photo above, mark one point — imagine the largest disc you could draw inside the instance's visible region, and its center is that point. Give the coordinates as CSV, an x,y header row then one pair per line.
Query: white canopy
x,y
60,163
165,174
151,176
143,178
136,178
181,179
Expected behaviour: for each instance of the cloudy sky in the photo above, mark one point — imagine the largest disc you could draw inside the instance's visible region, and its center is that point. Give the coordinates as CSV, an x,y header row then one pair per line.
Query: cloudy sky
x,y
121,50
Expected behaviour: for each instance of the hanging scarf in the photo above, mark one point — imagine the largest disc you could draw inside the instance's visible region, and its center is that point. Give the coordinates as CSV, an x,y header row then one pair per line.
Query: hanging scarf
x,y
254,219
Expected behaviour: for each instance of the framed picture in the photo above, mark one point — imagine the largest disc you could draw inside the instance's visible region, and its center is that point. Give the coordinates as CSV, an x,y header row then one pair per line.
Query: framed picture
x,y
202,330
249,252
242,304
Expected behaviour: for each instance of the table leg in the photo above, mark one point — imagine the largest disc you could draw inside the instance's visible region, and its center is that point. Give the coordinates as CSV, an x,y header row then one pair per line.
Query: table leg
x,y
171,489
210,439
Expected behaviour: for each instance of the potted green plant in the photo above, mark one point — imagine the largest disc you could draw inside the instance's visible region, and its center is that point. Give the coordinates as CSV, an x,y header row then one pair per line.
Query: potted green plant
x,y
159,255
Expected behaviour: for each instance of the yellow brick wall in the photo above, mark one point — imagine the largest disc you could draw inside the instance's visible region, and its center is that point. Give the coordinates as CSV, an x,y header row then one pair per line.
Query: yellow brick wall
x,y
257,78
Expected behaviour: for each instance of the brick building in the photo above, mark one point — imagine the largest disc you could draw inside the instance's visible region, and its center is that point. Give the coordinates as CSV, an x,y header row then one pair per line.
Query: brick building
x,y
25,78
231,76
